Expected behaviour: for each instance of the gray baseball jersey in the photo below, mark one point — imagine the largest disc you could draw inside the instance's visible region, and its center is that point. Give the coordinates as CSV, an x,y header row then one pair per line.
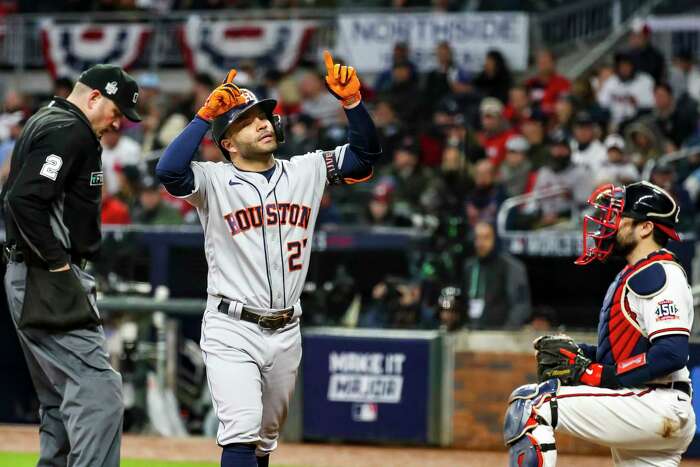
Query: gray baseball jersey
x,y
258,232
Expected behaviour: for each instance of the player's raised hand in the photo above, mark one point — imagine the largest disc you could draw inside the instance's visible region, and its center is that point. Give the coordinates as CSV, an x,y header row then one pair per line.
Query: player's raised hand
x,y
222,99
342,81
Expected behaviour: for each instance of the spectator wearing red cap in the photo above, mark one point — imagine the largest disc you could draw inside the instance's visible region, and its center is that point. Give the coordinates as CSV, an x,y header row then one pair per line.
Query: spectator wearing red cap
x,y
380,209
645,56
518,108
546,87
495,130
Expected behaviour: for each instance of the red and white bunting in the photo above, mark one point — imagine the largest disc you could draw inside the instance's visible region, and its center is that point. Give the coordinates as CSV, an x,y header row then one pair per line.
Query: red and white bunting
x,y
214,46
70,48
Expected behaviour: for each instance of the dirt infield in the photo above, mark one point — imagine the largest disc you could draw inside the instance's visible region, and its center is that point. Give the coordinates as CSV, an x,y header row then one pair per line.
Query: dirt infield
x,y
25,439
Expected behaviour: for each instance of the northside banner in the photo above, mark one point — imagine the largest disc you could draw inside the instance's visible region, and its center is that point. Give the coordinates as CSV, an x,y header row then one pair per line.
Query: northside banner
x,y
367,40
673,23
70,48
215,46
367,388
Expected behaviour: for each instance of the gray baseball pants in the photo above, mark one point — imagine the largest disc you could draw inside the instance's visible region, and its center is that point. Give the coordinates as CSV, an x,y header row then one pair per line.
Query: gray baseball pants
x,y
80,394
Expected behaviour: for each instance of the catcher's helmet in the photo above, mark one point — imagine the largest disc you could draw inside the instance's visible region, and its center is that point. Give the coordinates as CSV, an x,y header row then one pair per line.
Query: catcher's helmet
x,y
222,123
639,200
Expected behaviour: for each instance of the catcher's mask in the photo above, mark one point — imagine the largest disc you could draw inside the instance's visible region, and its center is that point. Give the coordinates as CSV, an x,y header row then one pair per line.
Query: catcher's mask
x,y
641,201
600,228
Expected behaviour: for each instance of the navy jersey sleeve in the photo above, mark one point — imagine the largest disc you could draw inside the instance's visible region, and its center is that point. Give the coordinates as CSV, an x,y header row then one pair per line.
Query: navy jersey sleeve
x,y
363,145
173,169
666,355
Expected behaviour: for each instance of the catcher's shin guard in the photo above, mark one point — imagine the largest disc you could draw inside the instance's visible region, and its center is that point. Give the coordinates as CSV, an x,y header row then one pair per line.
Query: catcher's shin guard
x,y
522,421
527,452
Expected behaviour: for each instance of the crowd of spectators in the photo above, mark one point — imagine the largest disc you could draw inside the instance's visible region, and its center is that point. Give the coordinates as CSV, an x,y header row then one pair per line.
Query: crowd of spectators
x,y
456,145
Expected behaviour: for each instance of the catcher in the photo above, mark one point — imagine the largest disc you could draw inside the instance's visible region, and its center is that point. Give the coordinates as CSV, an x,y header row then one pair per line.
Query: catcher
x,y
632,391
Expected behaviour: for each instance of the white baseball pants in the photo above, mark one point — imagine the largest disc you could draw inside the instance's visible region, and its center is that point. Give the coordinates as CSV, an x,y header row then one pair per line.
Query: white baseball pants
x,y
642,426
251,373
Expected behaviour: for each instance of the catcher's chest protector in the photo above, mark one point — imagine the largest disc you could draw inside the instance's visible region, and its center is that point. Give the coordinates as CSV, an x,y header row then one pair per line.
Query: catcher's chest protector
x,y
619,336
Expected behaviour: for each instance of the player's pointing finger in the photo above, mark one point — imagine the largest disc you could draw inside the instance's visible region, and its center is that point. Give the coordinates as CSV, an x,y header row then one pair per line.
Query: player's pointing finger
x,y
328,59
231,74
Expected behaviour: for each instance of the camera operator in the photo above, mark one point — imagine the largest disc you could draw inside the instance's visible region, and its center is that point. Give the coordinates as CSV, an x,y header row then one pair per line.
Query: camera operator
x,y
395,303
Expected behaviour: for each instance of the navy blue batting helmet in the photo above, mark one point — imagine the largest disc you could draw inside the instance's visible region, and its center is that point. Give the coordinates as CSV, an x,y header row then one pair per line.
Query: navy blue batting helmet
x,y
222,123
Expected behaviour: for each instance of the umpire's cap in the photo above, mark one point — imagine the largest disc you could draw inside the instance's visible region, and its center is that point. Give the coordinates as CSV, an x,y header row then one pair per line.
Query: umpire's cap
x,y
646,201
116,85
222,123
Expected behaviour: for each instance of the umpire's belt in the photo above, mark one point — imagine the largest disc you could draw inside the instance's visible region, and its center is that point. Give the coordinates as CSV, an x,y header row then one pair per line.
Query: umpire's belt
x,y
277,319
12,254
682,386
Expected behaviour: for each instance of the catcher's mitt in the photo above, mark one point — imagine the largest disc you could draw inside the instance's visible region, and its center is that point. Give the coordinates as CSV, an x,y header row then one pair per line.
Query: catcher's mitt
x,y
558,356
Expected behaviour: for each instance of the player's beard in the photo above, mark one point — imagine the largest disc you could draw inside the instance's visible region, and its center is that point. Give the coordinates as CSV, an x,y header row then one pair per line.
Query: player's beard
x,y
624,245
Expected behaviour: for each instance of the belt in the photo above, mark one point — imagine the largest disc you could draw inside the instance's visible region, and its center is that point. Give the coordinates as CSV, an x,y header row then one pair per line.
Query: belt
x,y
264,321
682,386
12,254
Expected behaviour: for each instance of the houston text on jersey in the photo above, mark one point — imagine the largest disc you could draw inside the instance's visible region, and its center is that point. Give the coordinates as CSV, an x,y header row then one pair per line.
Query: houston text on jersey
x,y
282,213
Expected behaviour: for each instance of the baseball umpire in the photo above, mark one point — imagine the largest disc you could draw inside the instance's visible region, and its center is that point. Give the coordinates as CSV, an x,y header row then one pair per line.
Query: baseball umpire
x,y
51,206
631,391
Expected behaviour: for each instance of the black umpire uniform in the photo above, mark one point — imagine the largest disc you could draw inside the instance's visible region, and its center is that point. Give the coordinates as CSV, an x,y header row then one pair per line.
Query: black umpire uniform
x,y
51,206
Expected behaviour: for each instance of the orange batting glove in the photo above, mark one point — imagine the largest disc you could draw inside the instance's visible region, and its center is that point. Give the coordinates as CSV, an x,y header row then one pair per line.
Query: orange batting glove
x,y
342,81
222,99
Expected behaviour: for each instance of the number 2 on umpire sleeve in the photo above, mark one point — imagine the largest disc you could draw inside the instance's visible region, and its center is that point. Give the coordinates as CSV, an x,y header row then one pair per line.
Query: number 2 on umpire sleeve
x,y
51,167
295,249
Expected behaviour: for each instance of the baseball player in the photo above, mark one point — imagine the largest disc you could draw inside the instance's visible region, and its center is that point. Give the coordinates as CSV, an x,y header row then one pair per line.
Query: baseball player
x,y
632,391
258,215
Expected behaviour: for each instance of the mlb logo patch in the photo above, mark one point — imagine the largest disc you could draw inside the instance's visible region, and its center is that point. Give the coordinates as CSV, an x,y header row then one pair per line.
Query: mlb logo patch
x,y
666,310
96,178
